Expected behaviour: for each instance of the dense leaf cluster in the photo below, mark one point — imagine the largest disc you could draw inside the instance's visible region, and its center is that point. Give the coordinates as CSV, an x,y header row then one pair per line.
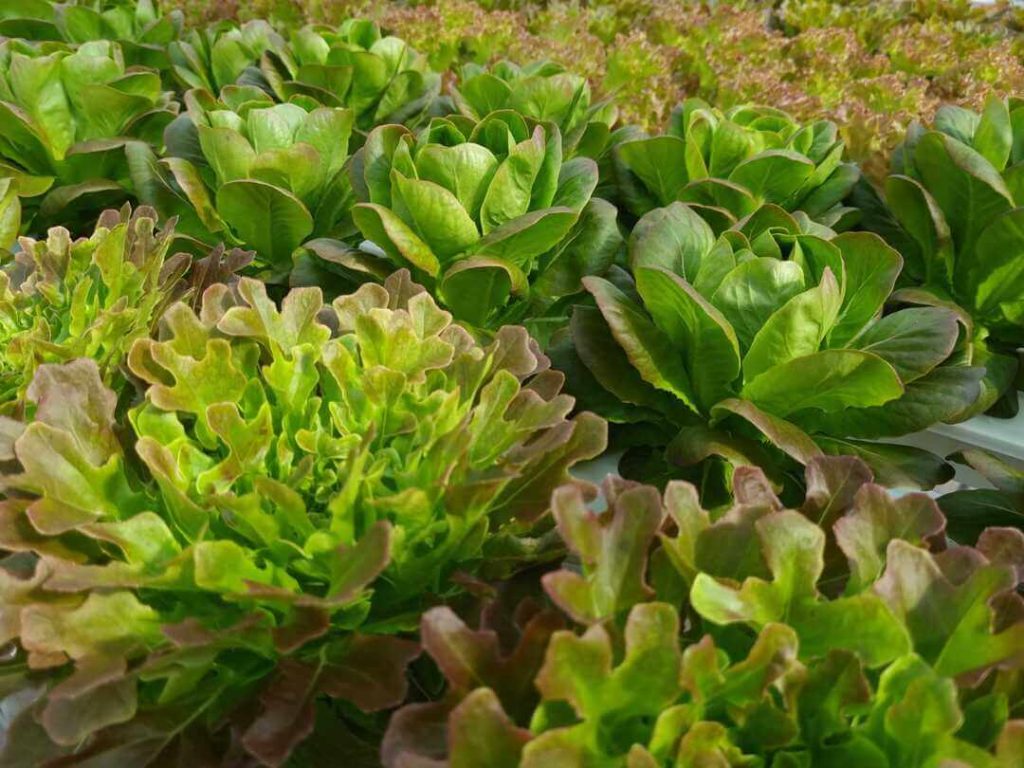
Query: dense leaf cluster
x,y
312,503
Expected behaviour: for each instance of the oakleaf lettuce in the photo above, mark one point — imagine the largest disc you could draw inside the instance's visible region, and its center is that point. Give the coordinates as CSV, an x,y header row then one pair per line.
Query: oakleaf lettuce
x,y
296,487
62,298
835,632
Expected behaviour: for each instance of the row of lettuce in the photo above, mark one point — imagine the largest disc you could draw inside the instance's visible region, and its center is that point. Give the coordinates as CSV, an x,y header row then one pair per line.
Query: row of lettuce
x,y
301,456
873,67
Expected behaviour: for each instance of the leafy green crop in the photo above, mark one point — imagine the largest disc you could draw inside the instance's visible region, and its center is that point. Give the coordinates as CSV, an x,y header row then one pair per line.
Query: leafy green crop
x,y
221,54
296,487
542,92
768,340
251,171
61,298
727,164
66,118
492,218
954,210
841,632
139,24
379,78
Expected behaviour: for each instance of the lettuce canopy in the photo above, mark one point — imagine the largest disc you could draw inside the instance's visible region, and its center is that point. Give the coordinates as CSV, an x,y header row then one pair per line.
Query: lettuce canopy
x,y
839,632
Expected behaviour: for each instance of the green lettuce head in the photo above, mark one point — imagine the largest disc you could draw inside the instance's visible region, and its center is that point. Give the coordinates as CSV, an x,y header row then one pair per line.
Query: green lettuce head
x,y
953,206
141,29
728,164
494,221
840,631
767,345
543,92
66,119
381,79
62,298
221,54
253,172
296,487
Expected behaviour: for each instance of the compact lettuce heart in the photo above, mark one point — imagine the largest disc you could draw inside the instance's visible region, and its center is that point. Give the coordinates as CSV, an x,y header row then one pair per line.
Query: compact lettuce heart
x,y
839,632
767,342
955,209
543,92
257,173
93,297
65,120
727,164
381,79
296,487
221,54
493,220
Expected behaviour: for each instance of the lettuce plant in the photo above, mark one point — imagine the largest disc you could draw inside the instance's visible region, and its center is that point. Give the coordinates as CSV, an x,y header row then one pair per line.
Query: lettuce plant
x,y
769,340
297,485
953,207
838,632
543,92
126,21
248,170
729,163
61,299
221,54
65,120
494,220
381,79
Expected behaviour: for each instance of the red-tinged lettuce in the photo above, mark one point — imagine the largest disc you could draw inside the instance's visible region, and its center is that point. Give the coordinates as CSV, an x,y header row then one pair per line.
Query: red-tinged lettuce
x,y
66,119
842,632
93,297
954,208
296,487
490,215
727,164
766,345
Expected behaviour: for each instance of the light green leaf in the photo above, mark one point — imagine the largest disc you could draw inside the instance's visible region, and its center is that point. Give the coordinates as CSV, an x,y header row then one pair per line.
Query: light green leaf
x,y
796,329
699,331
267,218
829,380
